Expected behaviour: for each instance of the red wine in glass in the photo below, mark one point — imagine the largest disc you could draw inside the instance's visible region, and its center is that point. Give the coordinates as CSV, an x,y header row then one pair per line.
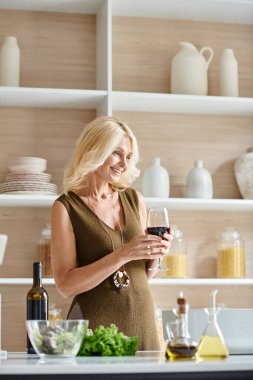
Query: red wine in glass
x,y
159,231
158,224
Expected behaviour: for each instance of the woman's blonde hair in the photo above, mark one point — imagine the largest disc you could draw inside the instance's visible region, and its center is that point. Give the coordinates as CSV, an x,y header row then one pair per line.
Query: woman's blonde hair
x,y
95,144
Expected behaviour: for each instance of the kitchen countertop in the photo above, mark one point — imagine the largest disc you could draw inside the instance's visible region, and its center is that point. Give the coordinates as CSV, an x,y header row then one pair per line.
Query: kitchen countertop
x,y
145,365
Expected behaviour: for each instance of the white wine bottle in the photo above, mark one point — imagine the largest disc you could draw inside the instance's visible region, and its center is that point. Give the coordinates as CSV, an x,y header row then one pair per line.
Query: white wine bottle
x,y
36,301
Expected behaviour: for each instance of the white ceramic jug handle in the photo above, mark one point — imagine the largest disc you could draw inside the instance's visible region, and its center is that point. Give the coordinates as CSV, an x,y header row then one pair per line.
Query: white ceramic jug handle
x,y
207,48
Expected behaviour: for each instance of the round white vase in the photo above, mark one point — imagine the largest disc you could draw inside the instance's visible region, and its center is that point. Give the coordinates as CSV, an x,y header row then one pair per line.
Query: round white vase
x,y
10,62
244,173
155,180
199,182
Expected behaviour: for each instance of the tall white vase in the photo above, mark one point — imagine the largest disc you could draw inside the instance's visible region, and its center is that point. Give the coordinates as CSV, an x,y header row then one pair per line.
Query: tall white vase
x,y
155,180
199,182
10,63
229,81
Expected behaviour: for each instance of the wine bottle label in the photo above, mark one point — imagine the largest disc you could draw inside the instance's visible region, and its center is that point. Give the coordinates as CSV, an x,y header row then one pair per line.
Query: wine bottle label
x,y
37,309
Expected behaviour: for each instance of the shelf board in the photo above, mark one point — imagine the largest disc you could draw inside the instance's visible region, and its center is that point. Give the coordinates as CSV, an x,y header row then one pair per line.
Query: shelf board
x,y
153,283
199,281
180,204
190,204
50,97
24,281
225,11
77,6
18,200
181,104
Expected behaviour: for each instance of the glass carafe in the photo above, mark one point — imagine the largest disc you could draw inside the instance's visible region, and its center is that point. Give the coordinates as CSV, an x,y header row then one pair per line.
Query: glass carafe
x,y
212,343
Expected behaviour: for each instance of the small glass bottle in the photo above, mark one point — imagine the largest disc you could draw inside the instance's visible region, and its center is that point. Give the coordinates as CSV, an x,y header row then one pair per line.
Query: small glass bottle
x,y
176,259
44,251
180,345
212,344
231,255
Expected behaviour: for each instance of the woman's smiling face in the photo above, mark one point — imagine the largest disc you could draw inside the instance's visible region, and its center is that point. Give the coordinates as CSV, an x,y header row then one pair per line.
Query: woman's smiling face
x,y
117,163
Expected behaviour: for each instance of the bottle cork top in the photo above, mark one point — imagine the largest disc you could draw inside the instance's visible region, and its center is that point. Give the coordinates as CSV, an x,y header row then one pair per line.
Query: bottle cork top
x,y
181,303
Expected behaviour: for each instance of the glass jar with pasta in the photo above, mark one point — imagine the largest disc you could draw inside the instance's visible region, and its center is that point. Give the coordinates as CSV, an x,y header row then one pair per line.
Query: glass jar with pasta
x,y
231,255
176,260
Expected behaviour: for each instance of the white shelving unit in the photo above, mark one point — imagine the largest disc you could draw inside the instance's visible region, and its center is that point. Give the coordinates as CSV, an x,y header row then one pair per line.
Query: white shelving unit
x,y
180,204
51,98
225,11
104,100
181,104
153,283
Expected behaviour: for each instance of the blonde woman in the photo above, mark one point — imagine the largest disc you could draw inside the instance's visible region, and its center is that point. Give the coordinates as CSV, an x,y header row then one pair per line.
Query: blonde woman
x,y
100,251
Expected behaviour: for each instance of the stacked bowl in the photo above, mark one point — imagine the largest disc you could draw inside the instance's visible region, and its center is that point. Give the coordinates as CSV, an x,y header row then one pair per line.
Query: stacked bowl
x,y
26,176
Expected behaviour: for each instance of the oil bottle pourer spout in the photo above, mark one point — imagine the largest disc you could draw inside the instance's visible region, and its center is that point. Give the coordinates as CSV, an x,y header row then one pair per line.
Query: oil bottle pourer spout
x,y
213,299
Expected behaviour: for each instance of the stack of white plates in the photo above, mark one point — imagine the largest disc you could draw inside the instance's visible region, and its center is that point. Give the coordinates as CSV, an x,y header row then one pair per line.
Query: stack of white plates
x,y
27,165
26,176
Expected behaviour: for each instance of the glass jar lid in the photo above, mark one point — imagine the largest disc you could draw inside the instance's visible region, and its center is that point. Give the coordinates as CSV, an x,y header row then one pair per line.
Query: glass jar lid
x,y
46,232
230,233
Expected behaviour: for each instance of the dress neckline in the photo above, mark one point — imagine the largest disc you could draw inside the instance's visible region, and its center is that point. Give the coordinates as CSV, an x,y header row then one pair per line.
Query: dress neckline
x,y
96,216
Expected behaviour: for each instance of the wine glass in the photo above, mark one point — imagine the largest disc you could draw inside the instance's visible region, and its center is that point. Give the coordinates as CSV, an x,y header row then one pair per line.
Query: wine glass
x,y
158,224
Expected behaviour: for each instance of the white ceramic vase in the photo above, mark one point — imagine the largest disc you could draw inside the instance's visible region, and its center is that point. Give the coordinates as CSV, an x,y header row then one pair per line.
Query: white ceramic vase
x,y
3,242
155,180
229,82
199,182
10,63
189,69
244,173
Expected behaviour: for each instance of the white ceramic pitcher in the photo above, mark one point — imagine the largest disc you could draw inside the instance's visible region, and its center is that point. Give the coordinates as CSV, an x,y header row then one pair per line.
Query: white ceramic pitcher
x,y
189,70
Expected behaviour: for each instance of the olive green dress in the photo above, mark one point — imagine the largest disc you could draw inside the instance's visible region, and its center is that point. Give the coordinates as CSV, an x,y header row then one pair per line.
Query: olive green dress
x,y
131,309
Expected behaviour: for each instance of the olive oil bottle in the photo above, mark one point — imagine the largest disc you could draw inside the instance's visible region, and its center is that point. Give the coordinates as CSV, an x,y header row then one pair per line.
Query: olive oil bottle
x,y
36,301
212,343
180,345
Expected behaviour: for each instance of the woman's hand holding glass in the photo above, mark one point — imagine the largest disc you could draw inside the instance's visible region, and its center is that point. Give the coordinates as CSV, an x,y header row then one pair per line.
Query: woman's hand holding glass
x,y
145,247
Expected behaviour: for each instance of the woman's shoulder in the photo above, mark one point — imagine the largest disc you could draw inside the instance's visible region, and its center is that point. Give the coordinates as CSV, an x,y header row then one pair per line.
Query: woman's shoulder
x,y
65,199
133,196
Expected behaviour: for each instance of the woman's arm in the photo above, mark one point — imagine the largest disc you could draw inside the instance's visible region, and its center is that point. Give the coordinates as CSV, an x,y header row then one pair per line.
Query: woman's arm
x,y
71,280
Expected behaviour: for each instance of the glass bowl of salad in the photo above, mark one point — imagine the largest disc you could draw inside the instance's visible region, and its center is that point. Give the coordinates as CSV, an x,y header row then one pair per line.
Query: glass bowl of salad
x,y
57,338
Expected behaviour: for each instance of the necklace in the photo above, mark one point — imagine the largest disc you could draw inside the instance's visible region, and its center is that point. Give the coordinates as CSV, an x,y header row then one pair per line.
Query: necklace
x,y
120,278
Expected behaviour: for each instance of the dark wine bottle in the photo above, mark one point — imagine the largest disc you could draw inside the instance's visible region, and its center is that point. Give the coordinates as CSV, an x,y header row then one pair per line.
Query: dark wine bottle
x,y
36,301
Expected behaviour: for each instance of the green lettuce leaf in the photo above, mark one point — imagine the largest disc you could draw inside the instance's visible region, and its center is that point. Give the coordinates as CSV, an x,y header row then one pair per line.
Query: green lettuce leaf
x,y
107,341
